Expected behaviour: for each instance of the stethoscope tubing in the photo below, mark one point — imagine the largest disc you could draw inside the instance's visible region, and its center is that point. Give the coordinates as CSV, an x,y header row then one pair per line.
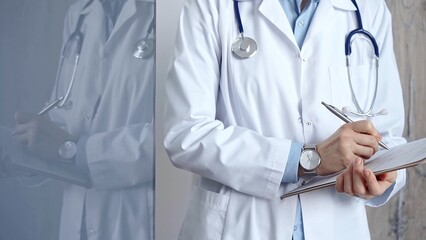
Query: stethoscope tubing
x,y
78,36
360,30
238,17
236,50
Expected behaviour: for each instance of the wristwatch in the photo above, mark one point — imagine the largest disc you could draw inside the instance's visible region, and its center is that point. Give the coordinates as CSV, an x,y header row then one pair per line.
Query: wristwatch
x,y
309,159
68,150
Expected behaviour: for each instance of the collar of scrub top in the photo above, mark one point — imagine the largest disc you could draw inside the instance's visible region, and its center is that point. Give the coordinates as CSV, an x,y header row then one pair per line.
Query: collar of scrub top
x,y
245,47
340,4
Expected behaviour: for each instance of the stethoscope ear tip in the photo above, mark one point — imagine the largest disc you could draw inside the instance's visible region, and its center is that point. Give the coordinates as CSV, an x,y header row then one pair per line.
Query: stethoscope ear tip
x,y
346,110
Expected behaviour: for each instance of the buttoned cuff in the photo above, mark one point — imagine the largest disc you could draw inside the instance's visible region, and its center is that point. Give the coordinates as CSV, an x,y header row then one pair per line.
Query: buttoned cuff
x,y
292,166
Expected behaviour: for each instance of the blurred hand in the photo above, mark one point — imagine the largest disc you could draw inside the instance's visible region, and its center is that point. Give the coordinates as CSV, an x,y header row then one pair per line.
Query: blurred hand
x,y
40,135
351,140
358,180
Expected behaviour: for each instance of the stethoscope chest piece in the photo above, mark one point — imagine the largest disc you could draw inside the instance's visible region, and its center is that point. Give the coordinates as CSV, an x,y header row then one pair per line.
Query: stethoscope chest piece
x,y
244,47
144,48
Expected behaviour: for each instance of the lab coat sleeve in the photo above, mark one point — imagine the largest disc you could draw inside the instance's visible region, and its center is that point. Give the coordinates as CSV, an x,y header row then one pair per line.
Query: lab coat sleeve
x,y
121,158
195,139
389,93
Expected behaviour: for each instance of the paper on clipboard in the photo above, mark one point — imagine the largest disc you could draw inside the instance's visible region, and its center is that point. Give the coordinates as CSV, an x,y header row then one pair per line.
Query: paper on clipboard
x,y
399,157
22,159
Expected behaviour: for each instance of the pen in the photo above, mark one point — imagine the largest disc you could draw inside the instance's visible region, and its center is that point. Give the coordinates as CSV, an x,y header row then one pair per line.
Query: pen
x,y
46,109
50,106
345,118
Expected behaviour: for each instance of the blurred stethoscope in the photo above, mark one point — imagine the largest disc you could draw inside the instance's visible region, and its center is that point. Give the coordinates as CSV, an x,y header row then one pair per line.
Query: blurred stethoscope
x,y
144,48
245,47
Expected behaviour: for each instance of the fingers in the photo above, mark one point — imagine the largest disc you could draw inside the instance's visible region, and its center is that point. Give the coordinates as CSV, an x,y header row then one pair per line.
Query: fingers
x,y
24,138
389,176
22,128
24,117
347,181
27,132
363,151
343,182
352,140
377,185
373,185
366,127
365,138
351,181
357,180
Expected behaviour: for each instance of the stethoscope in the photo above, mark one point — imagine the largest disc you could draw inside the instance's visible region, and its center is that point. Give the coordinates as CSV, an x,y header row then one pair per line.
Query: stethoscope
x,y
360,30
145,48
245,47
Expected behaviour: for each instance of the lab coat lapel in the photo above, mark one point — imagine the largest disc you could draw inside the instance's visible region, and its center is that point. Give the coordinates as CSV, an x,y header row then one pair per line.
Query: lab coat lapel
x,y
324,16
273,11
129,9
95,15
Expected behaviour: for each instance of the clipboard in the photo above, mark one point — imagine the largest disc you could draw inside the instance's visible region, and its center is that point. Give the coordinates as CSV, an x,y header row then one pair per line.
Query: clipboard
x,y
403,156
22,159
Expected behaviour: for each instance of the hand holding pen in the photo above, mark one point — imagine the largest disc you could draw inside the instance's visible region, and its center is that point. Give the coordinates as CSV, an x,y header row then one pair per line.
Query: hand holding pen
x,y
39,134
346,119
45,110
353,140
50,106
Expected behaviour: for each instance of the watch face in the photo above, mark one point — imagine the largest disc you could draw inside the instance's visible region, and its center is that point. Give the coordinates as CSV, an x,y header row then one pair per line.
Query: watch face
x,y
68,150
310,160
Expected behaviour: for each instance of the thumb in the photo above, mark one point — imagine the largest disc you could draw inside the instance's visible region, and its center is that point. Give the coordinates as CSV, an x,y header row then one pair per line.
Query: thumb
x,y
24,117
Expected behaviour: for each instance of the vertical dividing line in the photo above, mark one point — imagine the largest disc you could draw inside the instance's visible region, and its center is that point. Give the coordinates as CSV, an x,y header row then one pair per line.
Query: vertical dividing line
x,y
411,108
400,215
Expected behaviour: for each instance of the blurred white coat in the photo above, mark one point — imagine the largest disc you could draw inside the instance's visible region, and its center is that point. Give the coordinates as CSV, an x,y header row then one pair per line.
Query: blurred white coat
x,y
110,111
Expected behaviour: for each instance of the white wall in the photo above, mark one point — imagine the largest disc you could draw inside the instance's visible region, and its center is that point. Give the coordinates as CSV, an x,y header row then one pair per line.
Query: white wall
x,y
172,185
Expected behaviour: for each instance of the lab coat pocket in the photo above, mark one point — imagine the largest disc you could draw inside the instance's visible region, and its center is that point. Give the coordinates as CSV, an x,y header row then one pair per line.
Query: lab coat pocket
x,y
205,217
360,87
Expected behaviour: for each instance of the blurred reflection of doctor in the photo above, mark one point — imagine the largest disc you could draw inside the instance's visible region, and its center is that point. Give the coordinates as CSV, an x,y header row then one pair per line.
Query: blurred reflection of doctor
x,y
105,122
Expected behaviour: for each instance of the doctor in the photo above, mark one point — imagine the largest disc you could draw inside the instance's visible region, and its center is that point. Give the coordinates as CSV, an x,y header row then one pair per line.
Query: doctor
x,y
242,124
108,117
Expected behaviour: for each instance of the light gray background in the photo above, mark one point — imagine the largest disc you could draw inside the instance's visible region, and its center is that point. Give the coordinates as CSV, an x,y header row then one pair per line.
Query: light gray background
x,y
172,185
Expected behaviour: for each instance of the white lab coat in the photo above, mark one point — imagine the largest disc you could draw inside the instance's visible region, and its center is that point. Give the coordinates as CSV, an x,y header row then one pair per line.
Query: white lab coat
x,y
232,121
111,112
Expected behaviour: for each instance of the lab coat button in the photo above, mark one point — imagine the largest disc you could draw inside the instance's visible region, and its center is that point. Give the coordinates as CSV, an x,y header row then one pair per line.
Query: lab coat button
x,y
300,23
87,117
106,54
304,60
92,232
295,228
309,123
